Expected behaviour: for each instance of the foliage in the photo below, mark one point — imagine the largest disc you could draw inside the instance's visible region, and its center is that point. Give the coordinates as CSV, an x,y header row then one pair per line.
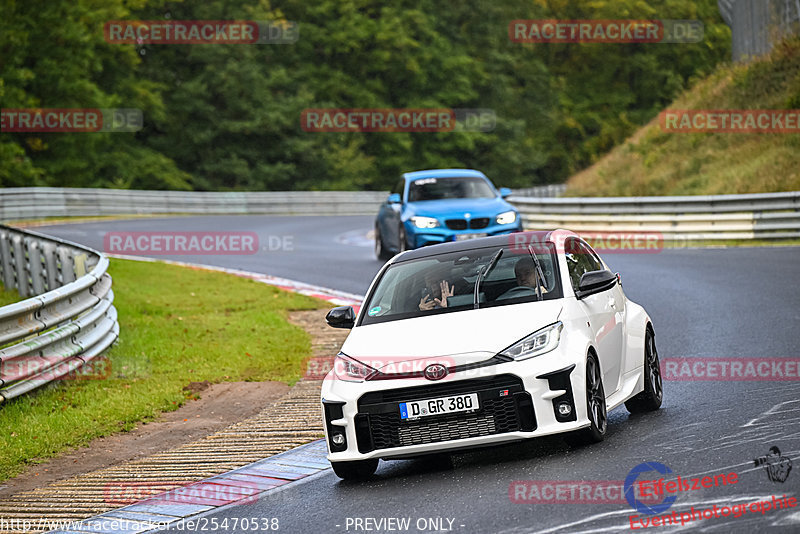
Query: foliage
x,y
226,116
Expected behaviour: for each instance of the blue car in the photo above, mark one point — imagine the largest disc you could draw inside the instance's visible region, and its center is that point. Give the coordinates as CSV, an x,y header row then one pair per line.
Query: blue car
x,y
441,205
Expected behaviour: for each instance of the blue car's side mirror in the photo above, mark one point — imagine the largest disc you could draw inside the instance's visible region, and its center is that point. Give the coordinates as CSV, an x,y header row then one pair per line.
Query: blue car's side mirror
x,y
394,198
505,192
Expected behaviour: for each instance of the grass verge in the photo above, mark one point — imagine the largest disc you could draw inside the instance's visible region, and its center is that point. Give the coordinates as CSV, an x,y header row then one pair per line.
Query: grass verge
x,y
655,162
177,325
8,297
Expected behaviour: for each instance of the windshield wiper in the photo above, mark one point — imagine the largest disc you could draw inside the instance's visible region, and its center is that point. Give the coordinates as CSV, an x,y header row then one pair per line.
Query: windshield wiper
x,y
538,272
484,272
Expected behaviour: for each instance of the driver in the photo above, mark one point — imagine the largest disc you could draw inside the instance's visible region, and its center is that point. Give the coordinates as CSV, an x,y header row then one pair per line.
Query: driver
x,y
525,271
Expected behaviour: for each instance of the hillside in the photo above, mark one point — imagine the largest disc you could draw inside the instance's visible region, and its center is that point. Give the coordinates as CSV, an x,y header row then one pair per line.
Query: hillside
x,y
654,162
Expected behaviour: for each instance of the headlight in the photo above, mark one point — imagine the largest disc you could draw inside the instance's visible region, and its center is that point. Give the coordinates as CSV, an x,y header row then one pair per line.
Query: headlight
x,y
425,222
540,342
350,370
507,217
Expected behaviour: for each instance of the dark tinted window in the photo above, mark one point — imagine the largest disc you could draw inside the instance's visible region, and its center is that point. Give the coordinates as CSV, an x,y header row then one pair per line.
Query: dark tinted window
x,y
442,188
412,288
580,259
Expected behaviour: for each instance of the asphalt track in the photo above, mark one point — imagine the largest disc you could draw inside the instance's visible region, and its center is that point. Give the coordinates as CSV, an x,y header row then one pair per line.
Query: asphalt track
x,y
735,302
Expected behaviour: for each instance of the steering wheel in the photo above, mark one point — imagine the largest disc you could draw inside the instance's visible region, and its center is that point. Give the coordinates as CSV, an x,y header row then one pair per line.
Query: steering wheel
x,y
517,292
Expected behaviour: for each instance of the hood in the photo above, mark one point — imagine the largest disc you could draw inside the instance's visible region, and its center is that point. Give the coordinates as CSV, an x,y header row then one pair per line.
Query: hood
x,y
455,338
457,207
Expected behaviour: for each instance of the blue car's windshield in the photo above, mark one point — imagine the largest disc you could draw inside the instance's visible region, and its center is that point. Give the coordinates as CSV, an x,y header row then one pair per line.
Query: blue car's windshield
x,y
444,188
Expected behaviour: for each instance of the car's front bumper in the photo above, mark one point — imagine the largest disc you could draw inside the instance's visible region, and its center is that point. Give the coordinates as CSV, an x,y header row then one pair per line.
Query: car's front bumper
x,y
420,237
518,400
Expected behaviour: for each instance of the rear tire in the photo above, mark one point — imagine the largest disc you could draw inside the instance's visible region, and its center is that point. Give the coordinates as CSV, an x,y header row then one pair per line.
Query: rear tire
x,y
356,470
595,405
380,247
650,398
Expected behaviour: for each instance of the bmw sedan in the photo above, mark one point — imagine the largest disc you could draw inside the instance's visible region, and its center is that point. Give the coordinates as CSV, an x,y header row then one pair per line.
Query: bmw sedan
x,y
442,205
486,341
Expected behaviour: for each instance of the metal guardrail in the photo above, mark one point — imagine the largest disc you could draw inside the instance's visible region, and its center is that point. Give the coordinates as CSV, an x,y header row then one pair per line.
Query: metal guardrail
x,y
37,202
542,191
756,25
68,319
714,217
757,216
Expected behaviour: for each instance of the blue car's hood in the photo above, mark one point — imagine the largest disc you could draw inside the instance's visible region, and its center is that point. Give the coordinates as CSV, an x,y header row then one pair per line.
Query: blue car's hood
x,y
457,207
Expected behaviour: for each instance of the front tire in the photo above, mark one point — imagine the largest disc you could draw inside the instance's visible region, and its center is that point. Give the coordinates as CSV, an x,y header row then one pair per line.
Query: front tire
x,y
402,240
356,470
380,247
650,398
595,405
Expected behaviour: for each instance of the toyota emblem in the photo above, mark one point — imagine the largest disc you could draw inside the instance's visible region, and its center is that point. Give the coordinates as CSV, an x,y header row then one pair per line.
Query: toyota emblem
x,y
435,371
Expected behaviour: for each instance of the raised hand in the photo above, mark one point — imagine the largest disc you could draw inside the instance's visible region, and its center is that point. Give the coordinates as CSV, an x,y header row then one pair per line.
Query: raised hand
x,y
447,291
425,303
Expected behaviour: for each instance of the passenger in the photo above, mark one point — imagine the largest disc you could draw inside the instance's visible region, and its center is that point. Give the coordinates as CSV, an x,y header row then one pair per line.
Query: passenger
x,y
436,290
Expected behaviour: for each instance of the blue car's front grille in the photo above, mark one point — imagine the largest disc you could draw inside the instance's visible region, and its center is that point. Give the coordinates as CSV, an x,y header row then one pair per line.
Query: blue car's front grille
x,y
462,224
456,224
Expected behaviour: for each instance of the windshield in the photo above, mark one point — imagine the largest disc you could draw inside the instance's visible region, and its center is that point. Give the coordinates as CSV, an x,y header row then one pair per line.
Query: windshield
x,y
443,188
446,283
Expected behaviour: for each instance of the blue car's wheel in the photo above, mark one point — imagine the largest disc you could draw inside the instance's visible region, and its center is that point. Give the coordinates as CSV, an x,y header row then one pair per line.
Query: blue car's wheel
x,y
380,247
403,240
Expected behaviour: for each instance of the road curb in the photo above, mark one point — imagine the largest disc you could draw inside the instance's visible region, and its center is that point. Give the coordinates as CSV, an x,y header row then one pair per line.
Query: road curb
x,y
159,512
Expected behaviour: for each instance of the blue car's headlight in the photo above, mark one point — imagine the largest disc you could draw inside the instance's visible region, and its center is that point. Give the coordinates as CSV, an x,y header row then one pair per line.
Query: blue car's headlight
x,y
540,342
424,222
507,217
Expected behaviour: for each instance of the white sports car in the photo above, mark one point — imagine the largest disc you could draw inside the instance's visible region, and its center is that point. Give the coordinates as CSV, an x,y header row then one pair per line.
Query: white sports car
x,y
485,341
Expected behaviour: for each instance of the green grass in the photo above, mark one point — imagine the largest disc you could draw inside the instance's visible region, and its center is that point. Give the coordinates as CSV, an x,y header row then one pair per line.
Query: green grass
x,y
8,297
653,162
177,325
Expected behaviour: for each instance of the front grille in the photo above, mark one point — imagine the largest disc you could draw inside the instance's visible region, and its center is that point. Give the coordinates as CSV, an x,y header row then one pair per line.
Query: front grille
x,y
479,223
462,224
378,423
456,224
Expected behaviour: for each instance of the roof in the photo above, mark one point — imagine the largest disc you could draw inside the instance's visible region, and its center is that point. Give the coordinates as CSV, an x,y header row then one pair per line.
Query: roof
x,y
443,173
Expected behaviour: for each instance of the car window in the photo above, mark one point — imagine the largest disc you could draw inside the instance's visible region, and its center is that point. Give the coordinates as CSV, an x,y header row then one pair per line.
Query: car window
x,y
413,288
592,259
444,188
580,259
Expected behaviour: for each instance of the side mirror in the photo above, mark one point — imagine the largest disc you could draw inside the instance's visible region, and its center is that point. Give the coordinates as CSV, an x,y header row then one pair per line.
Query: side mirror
x,y
394,198
505,192
341,317
595,282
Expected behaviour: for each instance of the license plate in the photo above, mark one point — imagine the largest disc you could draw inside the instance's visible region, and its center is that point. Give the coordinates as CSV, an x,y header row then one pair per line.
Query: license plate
x,y
463,237
442,405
